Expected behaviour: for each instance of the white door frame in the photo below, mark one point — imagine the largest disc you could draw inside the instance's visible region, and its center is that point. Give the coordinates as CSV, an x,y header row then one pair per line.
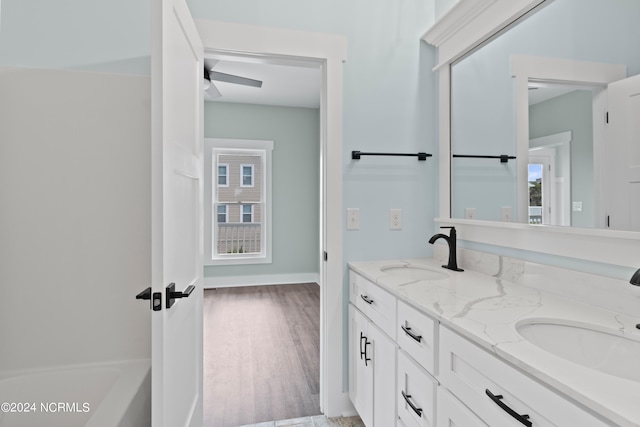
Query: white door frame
x,y
546,158
560,186
330,51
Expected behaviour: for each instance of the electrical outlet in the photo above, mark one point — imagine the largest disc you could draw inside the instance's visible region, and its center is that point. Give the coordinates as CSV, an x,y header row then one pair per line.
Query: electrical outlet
x,y
353,219
506,213
470,213
395,219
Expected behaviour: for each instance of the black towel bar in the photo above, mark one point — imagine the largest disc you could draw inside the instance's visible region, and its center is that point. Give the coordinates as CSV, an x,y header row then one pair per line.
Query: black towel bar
x,y
503,157
355,155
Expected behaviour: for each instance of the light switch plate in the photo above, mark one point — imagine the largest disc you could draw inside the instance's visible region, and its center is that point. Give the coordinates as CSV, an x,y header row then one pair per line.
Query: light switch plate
x,y
353,219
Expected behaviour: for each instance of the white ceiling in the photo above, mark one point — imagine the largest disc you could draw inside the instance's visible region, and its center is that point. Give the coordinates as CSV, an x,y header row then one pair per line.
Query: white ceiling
x,y
282,85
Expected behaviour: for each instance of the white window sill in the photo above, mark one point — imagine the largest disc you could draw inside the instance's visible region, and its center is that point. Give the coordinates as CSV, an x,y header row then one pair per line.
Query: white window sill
x,y
248,260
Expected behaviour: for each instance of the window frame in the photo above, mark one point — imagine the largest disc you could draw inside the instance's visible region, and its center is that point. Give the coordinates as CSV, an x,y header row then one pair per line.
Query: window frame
x,y
213,147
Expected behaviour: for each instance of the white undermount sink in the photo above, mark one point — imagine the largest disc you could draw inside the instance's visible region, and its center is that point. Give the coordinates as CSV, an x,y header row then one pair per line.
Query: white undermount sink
x,y
414,272
587,345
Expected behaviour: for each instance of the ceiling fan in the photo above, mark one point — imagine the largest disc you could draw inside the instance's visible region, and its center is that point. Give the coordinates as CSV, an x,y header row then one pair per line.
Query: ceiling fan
x,y
210,76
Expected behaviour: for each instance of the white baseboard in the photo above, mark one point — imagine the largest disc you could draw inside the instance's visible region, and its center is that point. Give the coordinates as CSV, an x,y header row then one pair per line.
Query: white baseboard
x,y
267,279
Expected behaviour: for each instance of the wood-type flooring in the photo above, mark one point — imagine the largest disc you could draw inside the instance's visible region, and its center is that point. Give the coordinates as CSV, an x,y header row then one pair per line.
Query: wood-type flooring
x,y
261,354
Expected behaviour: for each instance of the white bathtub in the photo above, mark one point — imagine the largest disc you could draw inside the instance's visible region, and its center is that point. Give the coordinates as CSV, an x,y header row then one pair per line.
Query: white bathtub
x,y
114,394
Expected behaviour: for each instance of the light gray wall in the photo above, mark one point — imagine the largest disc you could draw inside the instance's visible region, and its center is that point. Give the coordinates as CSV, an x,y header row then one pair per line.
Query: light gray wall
x,y
573,112
296,181
101,35
75,242
443,6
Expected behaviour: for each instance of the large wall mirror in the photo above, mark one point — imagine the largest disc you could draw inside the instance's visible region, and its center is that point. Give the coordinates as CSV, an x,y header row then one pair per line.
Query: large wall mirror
x,y
530,142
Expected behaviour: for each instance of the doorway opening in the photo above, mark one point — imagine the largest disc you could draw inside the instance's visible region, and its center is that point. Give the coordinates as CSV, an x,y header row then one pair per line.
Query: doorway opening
x,y
568,81
329,51
269,339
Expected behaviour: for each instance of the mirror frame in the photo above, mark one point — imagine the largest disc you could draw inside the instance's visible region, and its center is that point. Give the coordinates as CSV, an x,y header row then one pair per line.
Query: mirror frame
x,y
467,25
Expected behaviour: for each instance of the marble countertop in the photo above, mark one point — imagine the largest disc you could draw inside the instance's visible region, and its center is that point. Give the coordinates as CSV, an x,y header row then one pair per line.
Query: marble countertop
x,y
486,309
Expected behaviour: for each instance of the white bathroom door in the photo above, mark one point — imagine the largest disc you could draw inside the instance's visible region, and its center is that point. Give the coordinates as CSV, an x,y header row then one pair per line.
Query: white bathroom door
x,y
623,154
176,215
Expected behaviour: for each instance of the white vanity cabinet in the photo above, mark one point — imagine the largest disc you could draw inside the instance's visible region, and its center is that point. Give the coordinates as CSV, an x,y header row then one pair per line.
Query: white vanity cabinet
x,y
390,382
414,364
499,394
372,355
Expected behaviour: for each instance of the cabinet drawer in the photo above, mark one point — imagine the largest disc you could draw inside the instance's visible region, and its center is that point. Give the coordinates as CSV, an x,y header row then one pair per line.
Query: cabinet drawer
x,y
489,386
377,304
416,394
451,412
416,334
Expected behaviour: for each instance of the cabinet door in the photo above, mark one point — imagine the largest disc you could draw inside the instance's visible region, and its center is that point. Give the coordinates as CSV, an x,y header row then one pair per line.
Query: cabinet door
x,y
383,352
452,413
360,366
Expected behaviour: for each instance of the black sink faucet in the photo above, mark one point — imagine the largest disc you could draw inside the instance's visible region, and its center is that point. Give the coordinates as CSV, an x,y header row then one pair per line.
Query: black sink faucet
x,y
451,241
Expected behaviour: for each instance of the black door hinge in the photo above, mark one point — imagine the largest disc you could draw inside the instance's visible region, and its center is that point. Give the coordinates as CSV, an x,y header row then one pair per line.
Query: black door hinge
x,y
325,255
606,117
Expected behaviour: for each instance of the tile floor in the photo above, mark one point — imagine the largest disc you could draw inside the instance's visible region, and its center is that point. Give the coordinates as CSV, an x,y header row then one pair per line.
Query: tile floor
x,y
315,421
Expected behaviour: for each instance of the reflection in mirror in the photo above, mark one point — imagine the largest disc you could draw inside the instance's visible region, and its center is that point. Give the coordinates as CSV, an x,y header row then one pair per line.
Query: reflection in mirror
x,y
564,126
565,173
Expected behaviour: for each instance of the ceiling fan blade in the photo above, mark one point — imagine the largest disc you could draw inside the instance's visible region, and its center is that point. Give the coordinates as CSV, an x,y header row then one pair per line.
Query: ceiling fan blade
x,y
212,92
210,63
229,78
